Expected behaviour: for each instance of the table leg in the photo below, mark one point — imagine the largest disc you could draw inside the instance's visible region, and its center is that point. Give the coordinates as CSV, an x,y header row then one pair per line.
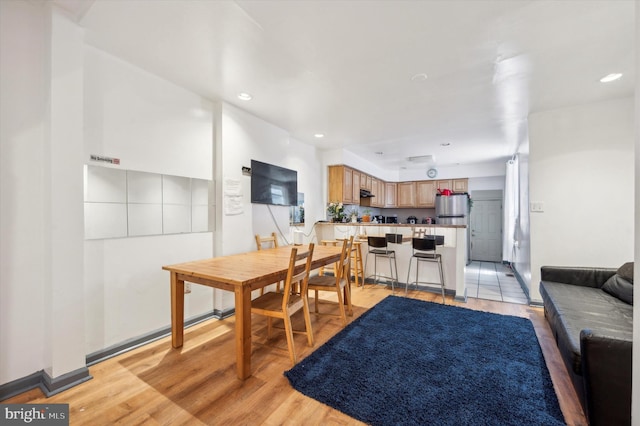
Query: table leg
x,y
243,332
177,311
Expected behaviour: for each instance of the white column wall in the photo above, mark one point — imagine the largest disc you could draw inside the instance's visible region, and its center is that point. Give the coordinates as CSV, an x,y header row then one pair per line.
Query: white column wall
x,y
581,168
63,211
154,126
23,62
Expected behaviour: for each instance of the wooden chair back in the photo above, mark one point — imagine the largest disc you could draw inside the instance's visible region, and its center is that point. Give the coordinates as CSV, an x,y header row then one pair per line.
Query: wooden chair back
x,y
272,239
297,275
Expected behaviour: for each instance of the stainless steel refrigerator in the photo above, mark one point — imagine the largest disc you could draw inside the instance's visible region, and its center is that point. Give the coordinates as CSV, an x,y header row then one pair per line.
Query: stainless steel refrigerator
x,y
454,210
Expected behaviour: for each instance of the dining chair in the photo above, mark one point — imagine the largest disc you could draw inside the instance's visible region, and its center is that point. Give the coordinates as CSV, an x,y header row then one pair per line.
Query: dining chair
x,y
267,242
378,247
271,239
339,283
424,250
284,305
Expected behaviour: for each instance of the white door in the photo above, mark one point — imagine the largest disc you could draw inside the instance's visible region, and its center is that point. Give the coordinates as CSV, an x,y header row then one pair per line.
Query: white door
x,y
486,230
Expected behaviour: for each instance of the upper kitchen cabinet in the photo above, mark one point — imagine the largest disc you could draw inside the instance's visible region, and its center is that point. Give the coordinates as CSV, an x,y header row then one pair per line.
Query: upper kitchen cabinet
x,y
406,194
341,189
460,185
390,194
356,186
442,184
366,182
425,193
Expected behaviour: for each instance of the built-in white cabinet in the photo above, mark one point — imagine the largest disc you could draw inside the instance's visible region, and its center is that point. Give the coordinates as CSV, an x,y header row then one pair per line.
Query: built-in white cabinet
x,y
127,203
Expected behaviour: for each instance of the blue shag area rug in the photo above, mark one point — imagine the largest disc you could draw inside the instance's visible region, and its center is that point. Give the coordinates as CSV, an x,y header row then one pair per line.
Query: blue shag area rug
x,y
410,362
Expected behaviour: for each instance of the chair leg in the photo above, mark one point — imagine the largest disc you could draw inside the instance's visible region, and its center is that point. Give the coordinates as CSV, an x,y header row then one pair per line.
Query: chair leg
x,y
406,286
441,280
307,321
288,329
341,305
347,296
395,263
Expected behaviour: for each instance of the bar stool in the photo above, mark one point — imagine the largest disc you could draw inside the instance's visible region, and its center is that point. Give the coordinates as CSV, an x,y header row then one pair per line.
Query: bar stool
x,y
378,247
424,250
357,270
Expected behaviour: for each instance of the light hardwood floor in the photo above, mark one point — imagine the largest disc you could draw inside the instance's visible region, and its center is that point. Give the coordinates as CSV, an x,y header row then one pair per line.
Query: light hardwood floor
x,y
197,384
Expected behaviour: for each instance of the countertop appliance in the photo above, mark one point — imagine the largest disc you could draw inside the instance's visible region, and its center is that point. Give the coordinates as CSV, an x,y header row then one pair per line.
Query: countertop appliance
x,y
412,219
379,218
391,219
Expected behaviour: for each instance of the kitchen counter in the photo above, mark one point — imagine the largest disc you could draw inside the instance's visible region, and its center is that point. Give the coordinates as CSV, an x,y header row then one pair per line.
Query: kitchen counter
x,y
454,250
400,225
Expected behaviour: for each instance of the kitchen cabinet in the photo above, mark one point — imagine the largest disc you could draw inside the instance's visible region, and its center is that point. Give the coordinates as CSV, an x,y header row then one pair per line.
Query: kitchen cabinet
x,y
341,185
442,184
390,194
460,185
425,194
378,186
365,181
355,182
406,194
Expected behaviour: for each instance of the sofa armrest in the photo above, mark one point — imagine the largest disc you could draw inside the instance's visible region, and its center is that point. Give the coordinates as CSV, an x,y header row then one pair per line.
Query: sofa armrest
x,y
606,370
582,276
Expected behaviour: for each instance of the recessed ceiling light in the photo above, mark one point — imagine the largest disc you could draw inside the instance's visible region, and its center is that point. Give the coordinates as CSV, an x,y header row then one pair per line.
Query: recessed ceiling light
x,y
445,144
319,135
379,152
611,77
244,96
419,77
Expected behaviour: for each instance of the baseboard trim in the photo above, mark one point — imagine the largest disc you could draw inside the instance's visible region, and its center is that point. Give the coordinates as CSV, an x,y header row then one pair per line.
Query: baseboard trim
x,y
48,385
127,345
51,386
23,384
54,385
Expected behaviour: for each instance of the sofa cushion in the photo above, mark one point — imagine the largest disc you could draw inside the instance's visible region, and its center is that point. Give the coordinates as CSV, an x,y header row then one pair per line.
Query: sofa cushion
x,y
620,288
626,271
570,309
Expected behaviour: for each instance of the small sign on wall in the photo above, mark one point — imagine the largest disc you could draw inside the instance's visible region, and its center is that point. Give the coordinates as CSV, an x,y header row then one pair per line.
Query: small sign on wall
x,y
103,159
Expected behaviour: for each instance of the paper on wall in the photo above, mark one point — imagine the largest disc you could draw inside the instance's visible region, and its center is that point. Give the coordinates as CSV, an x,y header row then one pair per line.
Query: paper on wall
x,y
232,196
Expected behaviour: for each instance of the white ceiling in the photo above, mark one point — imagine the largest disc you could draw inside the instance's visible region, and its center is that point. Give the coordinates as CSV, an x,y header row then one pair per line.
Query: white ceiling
x,y
345,68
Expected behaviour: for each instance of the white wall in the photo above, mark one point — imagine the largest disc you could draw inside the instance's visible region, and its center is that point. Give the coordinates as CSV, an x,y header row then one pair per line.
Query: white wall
x,y
581,168
635,394
23,108
242,137
62,297
151,125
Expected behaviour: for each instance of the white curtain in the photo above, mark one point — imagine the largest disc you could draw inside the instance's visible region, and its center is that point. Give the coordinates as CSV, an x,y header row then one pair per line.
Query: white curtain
x,y
511,204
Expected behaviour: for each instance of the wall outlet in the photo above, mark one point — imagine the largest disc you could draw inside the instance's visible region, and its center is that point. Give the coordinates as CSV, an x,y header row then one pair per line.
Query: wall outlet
x,y
537,206
187,288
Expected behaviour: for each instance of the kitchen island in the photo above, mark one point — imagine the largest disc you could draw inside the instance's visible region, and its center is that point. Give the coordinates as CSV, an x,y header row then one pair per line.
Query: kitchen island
x,y
454,250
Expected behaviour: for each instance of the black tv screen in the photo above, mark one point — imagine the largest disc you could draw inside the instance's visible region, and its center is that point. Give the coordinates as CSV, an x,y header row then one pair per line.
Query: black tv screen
x,y
273,185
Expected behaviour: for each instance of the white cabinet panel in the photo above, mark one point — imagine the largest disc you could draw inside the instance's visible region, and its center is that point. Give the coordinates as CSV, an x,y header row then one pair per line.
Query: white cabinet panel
x,y
105,220
144,187
176,219
145,219
199,192
176,190
105,185
199,218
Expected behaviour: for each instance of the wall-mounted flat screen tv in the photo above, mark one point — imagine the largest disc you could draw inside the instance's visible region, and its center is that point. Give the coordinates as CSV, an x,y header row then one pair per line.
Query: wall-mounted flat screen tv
x,y
273,185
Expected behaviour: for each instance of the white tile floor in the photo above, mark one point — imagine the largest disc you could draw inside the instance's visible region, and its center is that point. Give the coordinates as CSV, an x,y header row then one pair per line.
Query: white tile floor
x,y
493,281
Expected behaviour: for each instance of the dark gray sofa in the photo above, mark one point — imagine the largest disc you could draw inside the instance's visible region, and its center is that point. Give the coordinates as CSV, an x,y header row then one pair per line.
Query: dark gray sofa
x,y
590,313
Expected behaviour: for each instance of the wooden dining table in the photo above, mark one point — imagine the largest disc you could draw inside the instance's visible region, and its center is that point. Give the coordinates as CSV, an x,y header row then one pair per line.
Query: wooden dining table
x,y
239,273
